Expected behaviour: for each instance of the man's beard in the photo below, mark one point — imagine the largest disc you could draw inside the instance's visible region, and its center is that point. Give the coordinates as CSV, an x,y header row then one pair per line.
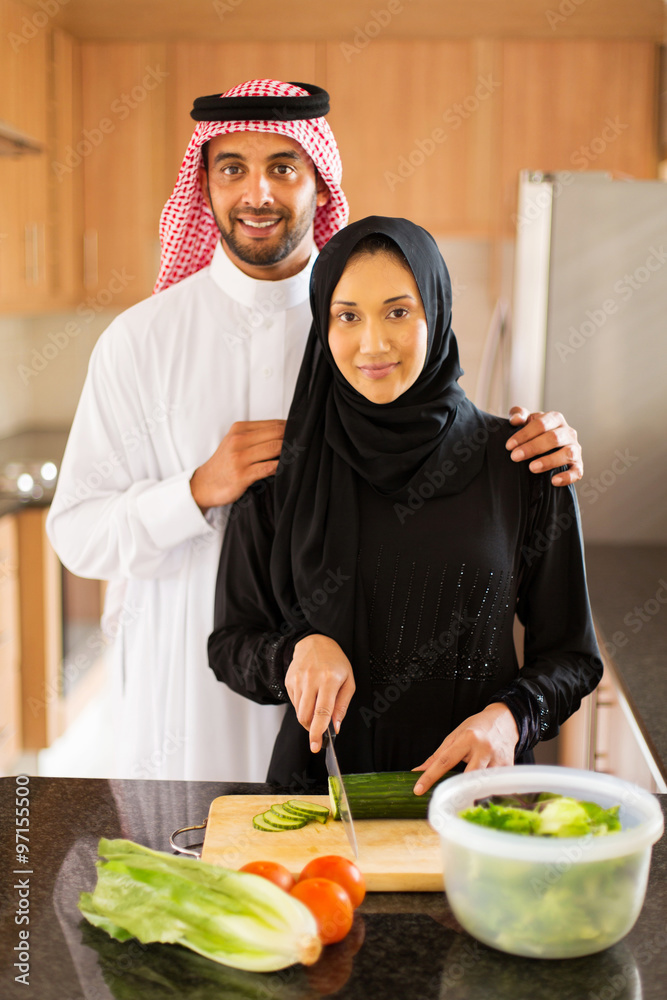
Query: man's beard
x,y
257,253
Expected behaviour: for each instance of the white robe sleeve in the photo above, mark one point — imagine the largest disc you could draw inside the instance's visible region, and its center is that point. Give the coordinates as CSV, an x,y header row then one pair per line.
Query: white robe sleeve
x,y
114,514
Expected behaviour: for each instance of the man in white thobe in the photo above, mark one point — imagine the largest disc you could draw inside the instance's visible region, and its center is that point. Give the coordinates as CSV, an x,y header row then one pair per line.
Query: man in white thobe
x,y
183,408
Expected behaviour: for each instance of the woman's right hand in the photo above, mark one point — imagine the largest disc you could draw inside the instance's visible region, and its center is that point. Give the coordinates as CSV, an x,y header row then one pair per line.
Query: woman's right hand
x,y
320,685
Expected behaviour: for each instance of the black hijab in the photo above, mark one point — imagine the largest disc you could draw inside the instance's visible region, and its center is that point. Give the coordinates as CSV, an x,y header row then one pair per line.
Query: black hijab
x,y
334,436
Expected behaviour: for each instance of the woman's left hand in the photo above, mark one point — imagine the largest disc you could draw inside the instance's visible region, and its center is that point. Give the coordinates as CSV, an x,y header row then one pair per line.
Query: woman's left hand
x,y
487,739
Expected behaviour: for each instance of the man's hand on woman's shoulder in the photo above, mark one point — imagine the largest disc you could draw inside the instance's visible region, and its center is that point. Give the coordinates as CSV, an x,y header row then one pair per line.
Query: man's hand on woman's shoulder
x,y
542,433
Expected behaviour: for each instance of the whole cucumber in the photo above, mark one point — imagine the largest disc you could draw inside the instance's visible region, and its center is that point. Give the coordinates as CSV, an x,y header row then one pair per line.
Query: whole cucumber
x,y
383,795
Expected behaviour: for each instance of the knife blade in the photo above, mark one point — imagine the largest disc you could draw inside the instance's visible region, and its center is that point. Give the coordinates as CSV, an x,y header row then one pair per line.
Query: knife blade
x,y
333,770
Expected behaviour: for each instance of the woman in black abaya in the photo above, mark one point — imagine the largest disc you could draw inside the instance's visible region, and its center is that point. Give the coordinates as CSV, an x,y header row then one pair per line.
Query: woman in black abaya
x,y
374,580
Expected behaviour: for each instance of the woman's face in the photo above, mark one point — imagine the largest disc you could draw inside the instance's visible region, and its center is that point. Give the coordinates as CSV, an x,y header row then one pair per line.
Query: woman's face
x,y
377,327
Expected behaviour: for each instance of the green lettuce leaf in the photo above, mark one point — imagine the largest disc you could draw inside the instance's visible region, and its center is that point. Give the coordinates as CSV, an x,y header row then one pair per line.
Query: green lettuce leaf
x,y
543,814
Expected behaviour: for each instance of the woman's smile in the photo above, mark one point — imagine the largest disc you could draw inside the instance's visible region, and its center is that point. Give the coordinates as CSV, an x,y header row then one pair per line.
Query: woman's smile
x,y
379,370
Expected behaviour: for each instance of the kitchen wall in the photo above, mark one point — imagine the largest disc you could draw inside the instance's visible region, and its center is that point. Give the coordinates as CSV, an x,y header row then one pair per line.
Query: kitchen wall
x,y
15,401
42,369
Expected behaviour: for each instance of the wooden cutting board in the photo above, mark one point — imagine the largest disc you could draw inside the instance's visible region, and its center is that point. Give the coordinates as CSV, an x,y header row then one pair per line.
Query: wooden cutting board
x,y
395,855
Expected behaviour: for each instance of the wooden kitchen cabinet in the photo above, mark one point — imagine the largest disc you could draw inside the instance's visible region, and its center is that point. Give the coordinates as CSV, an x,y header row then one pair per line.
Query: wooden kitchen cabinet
x,y
23,70
619,747
54,688
584,104
40,217
10,645
41,636
438,130
125,182
66,184
418,125
25,235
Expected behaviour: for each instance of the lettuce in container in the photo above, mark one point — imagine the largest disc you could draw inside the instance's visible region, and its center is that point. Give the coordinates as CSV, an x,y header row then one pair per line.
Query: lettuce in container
x,y
544,814
542,860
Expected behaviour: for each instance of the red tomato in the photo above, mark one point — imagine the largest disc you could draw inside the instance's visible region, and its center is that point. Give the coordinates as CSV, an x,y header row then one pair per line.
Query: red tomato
x,y
329,904
275,873
341,871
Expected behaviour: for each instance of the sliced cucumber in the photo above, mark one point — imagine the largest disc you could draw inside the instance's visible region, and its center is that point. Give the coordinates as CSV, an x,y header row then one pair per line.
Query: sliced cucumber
x,y
289,808
280,810
291,815
284,822
309,810
260,824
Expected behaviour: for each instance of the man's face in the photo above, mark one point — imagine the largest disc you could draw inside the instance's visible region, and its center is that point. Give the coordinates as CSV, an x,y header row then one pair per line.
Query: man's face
x,y
263,191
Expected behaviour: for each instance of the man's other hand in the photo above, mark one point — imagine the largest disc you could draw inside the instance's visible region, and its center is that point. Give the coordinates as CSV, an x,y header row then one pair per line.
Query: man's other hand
x,y
248,452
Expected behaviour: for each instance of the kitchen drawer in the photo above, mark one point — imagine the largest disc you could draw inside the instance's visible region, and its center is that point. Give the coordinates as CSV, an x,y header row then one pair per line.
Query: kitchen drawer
x,y
9,622
8,547
9,612
619,747
10,715
9,587
10,649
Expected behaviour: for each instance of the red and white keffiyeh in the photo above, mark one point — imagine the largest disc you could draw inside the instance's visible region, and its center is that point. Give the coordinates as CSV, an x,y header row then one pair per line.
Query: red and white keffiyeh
x,y
188,232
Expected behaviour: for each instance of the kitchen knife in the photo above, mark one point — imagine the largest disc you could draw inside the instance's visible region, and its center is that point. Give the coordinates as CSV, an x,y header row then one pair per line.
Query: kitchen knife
x,y
333,770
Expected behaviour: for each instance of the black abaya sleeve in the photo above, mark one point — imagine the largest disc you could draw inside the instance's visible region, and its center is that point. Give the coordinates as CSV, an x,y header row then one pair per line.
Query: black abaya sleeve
x,y
561,657
251,646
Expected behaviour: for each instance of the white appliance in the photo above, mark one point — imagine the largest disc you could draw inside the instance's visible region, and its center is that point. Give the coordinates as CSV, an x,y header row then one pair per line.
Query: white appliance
x,y
589,337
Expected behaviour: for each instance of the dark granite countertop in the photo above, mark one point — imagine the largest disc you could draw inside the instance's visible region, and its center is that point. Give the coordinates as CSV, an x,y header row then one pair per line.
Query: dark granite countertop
x,y
628,591
413,948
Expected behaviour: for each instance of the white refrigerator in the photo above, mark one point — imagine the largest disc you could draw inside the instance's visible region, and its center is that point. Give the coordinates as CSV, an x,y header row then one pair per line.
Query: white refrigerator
x,y
589,337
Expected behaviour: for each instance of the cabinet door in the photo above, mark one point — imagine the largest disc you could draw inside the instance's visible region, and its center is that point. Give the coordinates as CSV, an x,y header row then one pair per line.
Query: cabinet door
x,y
26,249
23,62
41,636
584,104
121,153
620,748
10,715
66,183
417,123
604,736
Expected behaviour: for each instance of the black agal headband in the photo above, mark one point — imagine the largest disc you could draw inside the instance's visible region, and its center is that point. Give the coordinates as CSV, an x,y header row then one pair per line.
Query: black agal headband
x,y
262,109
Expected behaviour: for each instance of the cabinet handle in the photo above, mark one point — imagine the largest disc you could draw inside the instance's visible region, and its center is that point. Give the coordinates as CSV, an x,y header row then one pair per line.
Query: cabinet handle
x,y
29,243
34,251
90,259
40,251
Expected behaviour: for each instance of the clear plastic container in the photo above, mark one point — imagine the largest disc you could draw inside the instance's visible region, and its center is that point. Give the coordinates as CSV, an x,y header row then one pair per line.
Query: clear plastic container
x,y
545,897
